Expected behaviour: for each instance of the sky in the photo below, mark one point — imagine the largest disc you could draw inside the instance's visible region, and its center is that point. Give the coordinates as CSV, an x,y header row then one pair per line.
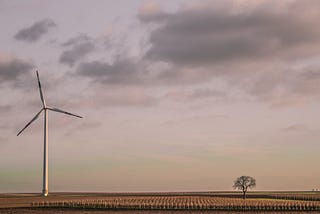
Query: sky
x,y
176,95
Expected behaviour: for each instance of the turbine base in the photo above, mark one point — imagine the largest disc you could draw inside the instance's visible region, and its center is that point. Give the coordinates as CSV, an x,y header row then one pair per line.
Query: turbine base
x,y
45,192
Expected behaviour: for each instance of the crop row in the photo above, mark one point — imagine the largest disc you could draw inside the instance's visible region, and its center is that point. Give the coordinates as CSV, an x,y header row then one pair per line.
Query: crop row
x,y
184,203
304,197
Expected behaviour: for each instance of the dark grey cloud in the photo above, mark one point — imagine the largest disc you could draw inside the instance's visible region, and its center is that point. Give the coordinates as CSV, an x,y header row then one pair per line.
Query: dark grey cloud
x,y
121,71
11,70
247,50
156,17
202,36
77,49
35,31
253,50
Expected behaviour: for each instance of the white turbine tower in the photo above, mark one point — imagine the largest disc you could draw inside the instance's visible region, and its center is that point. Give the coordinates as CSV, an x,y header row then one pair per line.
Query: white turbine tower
x,y
46,109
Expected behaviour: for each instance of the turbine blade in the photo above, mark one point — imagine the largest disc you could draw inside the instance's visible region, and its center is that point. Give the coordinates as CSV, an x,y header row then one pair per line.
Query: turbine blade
x,y
61,111
33,119
41,94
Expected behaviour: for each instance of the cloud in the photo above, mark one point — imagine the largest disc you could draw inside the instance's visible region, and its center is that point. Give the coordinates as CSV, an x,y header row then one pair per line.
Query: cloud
x,y
133,98
307,82
12,68
202,36
5,108
121,71
78,48
121,97
151,11
252,47
296,128
35,31
283,86
196,94
300,129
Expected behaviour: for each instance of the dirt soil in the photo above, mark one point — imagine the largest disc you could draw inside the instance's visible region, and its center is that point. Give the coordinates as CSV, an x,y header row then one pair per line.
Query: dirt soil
x,y
25,200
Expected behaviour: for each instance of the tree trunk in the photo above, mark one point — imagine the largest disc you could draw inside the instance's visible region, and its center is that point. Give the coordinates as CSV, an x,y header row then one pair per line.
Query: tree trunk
x,y
244,194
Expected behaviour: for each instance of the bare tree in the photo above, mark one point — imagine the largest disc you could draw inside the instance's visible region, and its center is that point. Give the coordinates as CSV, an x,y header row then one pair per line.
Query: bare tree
x,y
243,183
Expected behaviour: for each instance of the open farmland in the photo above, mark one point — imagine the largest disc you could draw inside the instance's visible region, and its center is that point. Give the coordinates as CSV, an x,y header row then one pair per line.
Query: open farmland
x,y
230,201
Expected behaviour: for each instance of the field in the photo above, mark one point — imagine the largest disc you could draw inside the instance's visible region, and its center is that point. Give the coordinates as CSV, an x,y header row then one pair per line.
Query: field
x,y
160,202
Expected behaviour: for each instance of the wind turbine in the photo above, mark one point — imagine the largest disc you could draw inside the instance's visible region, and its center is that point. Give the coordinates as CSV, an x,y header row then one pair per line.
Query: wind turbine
x,y
46,109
